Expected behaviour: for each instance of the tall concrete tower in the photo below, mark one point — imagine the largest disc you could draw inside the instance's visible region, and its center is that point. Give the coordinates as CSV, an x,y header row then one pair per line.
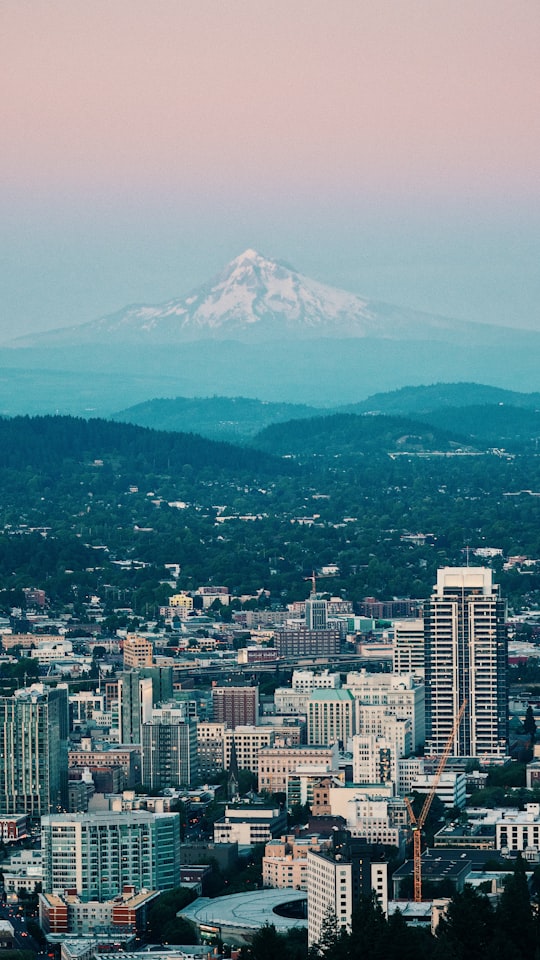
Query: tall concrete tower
x,y
466,659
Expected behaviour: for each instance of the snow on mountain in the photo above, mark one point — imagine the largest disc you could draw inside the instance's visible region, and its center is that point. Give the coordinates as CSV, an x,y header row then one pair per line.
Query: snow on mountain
x,y
259,299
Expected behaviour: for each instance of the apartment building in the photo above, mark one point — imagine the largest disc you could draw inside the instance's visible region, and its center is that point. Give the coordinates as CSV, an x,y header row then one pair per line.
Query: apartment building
x,y
97,855
331,717
399,695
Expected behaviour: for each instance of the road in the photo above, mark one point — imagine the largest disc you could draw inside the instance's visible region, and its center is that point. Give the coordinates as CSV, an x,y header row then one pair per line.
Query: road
x,y
23,939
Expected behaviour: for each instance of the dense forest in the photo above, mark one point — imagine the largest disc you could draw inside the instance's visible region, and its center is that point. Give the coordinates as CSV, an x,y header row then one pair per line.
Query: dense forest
x,y
94,507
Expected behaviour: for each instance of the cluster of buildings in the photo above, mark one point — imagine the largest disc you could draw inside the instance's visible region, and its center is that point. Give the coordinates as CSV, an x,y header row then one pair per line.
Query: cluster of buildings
x,y
348,747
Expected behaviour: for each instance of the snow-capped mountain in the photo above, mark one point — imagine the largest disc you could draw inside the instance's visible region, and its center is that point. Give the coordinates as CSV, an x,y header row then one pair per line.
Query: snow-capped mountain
x,y
258,299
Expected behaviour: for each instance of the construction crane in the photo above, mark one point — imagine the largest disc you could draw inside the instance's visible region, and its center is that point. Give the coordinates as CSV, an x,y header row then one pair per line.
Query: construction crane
x,y
417,823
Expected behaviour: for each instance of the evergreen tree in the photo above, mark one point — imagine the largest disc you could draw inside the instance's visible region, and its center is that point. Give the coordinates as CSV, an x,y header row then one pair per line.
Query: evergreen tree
x,y
467,928
529,724
515,927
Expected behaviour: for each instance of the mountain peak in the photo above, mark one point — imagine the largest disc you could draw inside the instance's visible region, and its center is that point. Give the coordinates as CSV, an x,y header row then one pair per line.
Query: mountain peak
x,y
257,298
249,256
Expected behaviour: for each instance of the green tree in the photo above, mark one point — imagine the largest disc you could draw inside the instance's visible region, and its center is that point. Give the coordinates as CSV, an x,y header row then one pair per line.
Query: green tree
x,y
163,924
529,723
514,917
468,926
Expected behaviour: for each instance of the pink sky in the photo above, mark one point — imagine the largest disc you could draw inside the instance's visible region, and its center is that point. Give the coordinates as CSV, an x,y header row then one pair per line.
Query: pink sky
x,y
203,95
388,146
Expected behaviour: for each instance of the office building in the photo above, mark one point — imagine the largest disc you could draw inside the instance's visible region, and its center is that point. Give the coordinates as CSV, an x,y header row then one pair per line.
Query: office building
x,y
138,652
119,919
248,743
33,751
278,762
301,641
451,788
304,786
235,706
336,880
96,856
466,660
375,757
308,680
104,757
330,894
284,864
520,830
375,721
250,824
316,613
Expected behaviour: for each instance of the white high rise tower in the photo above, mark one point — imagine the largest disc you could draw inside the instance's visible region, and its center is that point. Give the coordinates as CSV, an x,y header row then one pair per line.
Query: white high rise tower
x,y
466,659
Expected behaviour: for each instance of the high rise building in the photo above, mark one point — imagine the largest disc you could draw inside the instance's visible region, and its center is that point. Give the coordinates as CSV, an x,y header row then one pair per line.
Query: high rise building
x,y
338,877
375,758
466,659
210,749
329,894
97,855
331,717
409,646
316,613
33,751
169,749
135,699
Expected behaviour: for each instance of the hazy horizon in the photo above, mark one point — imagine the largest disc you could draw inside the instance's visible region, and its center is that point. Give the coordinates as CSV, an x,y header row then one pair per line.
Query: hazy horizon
x,y
390,149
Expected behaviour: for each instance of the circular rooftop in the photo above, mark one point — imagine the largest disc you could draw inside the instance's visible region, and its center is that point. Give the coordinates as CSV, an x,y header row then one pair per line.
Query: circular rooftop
x,y
240,915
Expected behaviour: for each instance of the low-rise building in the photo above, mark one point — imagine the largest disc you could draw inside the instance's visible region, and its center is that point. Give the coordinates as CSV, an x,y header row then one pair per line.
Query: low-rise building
x,y
278,762
126,914
249,824
13,828
284,864
451,788
520,830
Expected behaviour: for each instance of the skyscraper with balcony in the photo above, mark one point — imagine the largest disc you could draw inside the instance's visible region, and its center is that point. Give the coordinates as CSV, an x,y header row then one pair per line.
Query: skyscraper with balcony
x,y
33,751
466,659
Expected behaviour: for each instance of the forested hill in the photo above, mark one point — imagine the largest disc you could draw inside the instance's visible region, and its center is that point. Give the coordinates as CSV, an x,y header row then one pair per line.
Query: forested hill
x,y
47,443
344,434
415,401
443,405
494,425
222,418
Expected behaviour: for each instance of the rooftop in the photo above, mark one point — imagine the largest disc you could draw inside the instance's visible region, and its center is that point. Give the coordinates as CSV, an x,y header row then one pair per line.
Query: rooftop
x,y
331,693
246,910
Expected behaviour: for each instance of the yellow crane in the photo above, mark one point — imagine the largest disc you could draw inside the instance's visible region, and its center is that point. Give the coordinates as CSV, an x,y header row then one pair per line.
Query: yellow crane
x,y
417,823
